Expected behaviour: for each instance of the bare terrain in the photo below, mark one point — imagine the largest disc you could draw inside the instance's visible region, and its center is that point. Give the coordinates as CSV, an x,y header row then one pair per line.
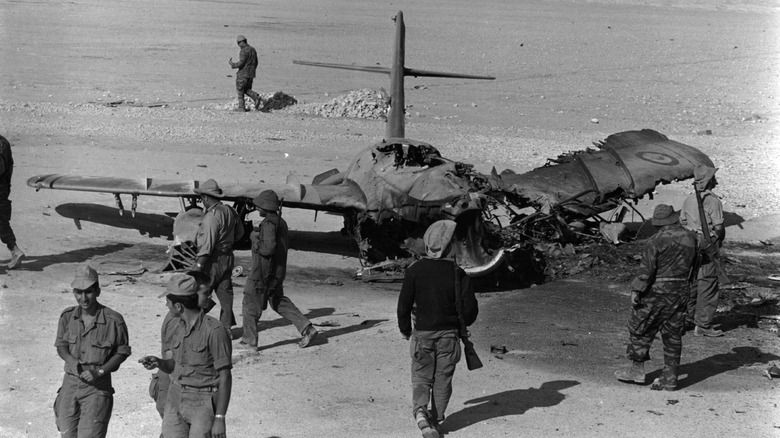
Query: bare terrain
x,y
705,73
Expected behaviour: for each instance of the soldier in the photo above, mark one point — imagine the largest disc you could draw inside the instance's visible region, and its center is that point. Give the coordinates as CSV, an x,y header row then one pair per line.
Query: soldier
x,y
6,232
200,366
246,65
659,298
265,282
93,341
704,291
218,231
428,292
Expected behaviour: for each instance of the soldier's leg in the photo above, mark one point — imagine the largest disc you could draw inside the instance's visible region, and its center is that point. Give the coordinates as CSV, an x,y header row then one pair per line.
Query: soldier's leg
x,y
671,335
96,408
197,410
66,409
642,328
173,425
423,354
251,311
693,295
255,97
448,353
222,272
707,300
289,311
159,390
240,91
6,233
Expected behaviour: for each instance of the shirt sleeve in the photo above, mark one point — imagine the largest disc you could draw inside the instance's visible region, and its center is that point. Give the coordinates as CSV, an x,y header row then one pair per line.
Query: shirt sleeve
x,y
62,331
122,337
242,57
405,303
647,269
221,348
207,235
267,244
713,208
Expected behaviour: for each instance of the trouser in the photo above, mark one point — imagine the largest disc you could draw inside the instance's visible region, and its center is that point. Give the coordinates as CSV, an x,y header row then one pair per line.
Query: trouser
x,y
188,413
158,390
6,233
244,86
703,300
81,409
434,356
220,269
252,310
661,310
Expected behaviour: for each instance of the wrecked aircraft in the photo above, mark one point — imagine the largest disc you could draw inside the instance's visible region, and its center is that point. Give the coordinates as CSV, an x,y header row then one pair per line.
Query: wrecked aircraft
x,y
394,189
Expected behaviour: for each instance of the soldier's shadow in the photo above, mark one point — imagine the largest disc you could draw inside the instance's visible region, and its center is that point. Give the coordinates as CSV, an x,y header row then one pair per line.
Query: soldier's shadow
x,y
512,402
695,372
38,263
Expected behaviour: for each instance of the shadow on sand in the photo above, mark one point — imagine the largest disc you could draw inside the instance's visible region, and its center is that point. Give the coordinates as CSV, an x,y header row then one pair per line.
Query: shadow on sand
x,y
506,403
152,225
38,263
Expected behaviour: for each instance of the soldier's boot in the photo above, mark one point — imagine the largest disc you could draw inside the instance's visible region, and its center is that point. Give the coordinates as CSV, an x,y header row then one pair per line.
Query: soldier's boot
x,y
256,99
708,332
241,106
424,423
16,258
667,381
635,374
309,334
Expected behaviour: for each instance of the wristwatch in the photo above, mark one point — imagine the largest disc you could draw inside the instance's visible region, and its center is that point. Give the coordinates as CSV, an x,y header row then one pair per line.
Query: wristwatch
x,y
222,416
101,372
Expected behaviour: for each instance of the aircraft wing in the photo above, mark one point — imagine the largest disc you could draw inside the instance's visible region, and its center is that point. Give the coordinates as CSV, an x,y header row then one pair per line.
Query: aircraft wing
x,y
324,197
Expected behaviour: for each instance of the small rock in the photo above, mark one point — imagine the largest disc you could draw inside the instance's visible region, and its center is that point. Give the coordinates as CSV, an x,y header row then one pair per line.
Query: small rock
x,y
594,121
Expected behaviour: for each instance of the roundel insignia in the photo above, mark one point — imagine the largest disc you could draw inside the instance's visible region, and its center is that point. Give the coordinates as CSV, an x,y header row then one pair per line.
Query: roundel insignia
x,y
658,158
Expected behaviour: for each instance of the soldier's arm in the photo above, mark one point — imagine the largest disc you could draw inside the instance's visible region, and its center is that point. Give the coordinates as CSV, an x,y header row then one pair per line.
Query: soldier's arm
x,y
647,269
242,57
267,246
223,400
207,235
63,347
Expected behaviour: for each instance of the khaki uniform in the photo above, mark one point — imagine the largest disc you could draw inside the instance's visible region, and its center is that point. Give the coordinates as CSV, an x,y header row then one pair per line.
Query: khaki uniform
x,y
6,171
83,409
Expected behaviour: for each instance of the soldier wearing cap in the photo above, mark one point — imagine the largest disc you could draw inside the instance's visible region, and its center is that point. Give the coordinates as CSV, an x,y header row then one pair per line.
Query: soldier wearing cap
x,y
200,366
659,299
246,65
704,291
218,231
428,293
269,268
93,341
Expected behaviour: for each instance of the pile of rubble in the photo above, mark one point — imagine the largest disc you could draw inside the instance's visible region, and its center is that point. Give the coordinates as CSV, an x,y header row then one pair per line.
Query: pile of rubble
x,y
362,104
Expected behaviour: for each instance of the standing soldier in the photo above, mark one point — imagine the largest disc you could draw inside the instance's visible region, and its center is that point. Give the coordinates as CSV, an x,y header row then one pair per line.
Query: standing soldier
x,y
218,231
429,292
6,233
246,65
659,298
92,340
269,267
704,291
200,366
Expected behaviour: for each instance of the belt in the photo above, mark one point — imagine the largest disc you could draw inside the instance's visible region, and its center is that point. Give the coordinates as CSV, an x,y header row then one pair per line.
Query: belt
x,y
662,279
200,389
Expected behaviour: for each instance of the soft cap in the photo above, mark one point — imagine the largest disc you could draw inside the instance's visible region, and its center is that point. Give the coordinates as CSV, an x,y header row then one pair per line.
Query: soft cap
x,y
267,200
665,215
438,236
85,277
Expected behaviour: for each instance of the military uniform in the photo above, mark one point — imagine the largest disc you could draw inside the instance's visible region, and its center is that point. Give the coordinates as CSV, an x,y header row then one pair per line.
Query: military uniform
x,y
158,387
84,408
269,269
218,231
247,67
661,291
703,301
6,232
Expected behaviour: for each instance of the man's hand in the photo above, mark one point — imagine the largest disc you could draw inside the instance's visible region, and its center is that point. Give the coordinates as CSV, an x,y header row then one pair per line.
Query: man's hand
x,y
149,362
72,367
635,300
231,62
218,429
88,375
406,335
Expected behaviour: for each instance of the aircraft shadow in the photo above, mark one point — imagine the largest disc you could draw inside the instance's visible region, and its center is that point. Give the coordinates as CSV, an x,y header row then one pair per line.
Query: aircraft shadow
x,y
152,225
38,263
695,372
512,402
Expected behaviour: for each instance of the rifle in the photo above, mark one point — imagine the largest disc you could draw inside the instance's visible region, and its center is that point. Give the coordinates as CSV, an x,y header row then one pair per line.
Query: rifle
x,y
272,268
472,360
710,248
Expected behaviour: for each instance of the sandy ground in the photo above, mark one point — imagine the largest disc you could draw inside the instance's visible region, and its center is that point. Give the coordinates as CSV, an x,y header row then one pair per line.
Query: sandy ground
x,y
568,73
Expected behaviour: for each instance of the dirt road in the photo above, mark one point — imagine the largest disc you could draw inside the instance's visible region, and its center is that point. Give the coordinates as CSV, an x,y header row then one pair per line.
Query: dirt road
x,y
568,73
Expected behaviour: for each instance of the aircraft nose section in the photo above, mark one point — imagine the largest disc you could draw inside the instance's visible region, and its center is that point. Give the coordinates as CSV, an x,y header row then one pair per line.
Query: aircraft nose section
x,y
467,202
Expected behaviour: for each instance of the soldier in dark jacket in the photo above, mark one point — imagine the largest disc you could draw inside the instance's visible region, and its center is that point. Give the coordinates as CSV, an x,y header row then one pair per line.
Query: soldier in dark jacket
x,y
428,293
269,268
246,65
659,299
6,232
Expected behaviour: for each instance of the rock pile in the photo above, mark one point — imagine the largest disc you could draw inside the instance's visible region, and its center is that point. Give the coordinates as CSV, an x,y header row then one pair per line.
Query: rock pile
x,y
362,104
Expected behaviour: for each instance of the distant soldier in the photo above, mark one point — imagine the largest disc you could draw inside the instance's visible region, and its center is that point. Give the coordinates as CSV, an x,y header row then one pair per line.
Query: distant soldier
x,y
6,233
704,291
428,296
659,299
246,65
269,268
218,231
93,341
200,366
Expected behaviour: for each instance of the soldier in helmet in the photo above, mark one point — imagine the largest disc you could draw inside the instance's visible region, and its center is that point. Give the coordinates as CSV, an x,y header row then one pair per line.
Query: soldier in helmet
x,y
246,65
659,299
269,267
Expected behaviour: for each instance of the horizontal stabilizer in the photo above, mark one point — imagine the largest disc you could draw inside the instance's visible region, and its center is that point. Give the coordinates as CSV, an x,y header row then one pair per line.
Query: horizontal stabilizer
x,y
439,74
369,69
